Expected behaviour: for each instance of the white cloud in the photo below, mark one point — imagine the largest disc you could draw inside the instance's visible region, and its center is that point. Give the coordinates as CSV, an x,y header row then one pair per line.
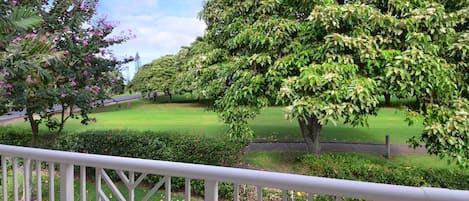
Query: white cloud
x,y
161,27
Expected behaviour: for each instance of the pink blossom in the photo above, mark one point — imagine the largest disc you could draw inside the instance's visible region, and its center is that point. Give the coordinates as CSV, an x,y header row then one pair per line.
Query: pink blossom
x,y
12,3
31,35
17,39
28,79
84,42
85,73
66,52
6,73
73,83
75,92
63,95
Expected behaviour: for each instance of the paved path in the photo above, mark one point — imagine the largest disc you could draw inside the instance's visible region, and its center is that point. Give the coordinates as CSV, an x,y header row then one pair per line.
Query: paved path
x,y
334,147
15,115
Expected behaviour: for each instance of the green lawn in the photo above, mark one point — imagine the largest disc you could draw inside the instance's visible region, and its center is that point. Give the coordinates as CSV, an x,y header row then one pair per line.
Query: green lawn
x,y
270,125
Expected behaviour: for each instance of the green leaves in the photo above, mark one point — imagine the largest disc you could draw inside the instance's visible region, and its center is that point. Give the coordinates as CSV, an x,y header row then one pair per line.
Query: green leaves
x,y
330,62
446,131
24,18
331,92
20,19
158,76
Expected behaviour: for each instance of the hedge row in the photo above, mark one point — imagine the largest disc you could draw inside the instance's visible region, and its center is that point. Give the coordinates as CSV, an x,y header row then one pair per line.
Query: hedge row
x,y
158,146
147,145
15,136
354,167
154,145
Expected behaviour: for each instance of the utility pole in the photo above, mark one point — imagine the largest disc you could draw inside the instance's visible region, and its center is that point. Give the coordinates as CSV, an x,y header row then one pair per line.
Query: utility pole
x,y
138,63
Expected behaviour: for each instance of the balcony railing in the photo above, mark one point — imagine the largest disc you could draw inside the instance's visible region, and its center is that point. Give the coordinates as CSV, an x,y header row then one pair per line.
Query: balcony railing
x,y
29,161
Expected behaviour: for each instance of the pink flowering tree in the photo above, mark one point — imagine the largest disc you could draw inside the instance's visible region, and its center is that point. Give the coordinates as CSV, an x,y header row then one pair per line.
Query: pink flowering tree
x,y
81,77
87,72
23,54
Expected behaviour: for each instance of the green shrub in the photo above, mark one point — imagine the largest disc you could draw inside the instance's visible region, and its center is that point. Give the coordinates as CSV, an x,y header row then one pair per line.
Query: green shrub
x,y
157,146
154,145
354,167
126,144
15,136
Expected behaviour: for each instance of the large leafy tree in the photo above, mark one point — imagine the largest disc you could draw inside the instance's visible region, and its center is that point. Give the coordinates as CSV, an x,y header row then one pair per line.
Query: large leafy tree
x,y
331,60
196,62
158,76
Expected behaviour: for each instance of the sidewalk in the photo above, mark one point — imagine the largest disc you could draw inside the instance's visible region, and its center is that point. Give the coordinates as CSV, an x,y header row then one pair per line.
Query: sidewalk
x,y
396,149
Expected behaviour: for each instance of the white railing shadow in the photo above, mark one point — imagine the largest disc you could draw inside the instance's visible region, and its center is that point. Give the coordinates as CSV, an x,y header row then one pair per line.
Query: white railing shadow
x,y
45,161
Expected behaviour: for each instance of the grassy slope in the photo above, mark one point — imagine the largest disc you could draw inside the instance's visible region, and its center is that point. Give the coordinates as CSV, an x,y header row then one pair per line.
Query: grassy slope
x,y
270,125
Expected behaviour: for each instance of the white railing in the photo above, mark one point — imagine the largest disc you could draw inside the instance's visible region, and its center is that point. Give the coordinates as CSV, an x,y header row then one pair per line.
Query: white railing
x,y
22,160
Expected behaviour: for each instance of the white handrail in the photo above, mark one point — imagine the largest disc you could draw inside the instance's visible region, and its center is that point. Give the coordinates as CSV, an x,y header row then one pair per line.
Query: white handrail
x,y
319,185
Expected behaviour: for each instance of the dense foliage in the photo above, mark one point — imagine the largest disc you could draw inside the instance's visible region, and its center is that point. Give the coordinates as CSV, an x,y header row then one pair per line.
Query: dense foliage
x,y
157,76
332,60
62,61
146,145
158,146
353,167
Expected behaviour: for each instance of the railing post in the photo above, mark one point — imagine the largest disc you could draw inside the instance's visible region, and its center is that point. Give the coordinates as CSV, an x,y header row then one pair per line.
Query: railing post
x,y
51,181
388,147
211,190
66,182
4,179
27,185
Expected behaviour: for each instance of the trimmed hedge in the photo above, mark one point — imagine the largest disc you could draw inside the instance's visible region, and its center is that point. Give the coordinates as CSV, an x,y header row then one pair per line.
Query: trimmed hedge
x,y
154,145
15,136
353,167
158,146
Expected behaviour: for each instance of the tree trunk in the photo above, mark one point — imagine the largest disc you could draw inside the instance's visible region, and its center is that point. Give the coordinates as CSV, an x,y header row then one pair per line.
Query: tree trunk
x,y
311,130
387,99
33,123
34,128
170,96
155,96
62,120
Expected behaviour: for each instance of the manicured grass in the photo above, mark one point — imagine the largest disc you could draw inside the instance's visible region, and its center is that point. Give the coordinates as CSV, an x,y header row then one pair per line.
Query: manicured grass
x,y
270,125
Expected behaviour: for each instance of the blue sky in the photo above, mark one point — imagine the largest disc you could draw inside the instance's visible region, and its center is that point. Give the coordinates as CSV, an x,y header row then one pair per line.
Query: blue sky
x,y
161,26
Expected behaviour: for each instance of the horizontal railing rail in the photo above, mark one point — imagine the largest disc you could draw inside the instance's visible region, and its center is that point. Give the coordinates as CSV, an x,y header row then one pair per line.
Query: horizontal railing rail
x,y
212,175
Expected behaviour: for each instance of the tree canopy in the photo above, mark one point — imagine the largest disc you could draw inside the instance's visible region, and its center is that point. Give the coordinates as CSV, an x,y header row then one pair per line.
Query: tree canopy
x,y
331,61
158,76
55,56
